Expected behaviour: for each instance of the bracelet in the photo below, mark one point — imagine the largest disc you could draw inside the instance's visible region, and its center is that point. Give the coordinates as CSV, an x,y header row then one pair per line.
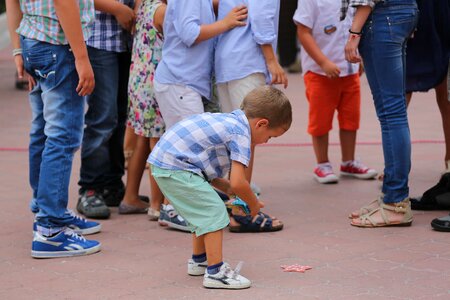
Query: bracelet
x,y
354,32
17,51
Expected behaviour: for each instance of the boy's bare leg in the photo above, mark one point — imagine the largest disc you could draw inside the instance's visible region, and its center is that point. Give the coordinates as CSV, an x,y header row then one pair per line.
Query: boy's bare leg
x,y
348,142
135,171
444,107
320,145
156,195
212,245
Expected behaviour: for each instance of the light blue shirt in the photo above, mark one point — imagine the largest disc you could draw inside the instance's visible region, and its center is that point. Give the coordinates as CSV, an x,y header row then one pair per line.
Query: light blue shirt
x,y
183,62
238,51
205,144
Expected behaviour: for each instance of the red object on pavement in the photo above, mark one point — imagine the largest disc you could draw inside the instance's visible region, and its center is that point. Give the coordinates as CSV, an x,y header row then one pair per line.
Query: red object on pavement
x,y
296,268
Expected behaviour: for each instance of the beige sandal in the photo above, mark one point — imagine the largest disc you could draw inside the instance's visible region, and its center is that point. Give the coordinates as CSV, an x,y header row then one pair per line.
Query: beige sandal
x,y
403,207
367,208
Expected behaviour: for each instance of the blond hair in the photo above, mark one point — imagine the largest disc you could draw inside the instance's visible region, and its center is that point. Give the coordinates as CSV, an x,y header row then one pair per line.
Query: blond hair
x,y
269,103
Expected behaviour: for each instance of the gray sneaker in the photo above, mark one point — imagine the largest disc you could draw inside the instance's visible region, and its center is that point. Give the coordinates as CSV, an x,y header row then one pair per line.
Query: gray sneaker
x,y
170,217
92,205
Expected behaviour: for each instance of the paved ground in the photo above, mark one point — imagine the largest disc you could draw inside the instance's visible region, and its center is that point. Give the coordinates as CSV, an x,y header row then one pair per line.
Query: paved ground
x,y
140,260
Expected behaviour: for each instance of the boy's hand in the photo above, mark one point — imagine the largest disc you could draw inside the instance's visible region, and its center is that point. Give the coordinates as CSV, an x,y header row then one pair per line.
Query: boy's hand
x,y
330,69
18,60
236,17
278,74
125,16
86,81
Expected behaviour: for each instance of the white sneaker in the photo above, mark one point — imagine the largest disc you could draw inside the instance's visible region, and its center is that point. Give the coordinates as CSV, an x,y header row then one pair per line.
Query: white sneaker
x,y
226,279
196,269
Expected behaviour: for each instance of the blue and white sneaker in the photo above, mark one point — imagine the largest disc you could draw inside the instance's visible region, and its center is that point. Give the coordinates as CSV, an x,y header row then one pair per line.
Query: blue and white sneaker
x,y
170,217
79,225
226,278
64,244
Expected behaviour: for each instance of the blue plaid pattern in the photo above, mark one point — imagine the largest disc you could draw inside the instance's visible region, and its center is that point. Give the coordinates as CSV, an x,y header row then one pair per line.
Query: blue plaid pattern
x,y
205,144
107,34
346,3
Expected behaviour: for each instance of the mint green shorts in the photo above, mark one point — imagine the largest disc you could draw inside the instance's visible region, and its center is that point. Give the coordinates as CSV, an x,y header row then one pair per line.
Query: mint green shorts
x,y
193,198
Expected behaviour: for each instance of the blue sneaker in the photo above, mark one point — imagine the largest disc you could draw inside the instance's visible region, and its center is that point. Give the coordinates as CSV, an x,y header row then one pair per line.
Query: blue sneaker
x,y
64,244
170,217
79,225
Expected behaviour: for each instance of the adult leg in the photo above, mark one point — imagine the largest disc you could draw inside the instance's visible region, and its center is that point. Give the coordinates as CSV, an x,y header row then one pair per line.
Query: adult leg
x,y
157,197
444,108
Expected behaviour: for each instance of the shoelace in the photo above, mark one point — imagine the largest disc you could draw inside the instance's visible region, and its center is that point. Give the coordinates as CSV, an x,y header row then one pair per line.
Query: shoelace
x,y
77,217
327,169
74,235
233,273
357,164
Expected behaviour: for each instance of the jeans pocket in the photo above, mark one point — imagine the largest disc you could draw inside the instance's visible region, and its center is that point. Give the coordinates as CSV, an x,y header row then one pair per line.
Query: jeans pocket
x,y
401,24
40,62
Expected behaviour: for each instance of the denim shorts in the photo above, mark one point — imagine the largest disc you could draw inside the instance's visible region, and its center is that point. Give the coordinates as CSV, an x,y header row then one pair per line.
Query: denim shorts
x,y
193,198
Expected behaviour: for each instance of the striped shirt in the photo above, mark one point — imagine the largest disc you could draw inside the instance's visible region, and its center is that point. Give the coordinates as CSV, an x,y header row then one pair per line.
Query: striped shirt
x,y
39,21
107,34
346,3
205,144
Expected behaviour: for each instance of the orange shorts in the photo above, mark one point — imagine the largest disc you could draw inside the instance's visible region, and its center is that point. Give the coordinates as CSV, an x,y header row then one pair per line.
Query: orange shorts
x,y
325,95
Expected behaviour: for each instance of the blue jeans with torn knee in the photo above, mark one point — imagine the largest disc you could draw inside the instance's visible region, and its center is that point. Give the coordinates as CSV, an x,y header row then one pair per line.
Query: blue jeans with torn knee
x,y
383,49
56,128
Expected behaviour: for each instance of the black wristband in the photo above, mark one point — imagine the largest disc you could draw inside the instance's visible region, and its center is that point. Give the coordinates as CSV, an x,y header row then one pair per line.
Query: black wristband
x,y
354,32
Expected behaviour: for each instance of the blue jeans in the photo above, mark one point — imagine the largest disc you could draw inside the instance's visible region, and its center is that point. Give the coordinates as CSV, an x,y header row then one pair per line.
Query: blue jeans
x,y
383,49
56,128
102,160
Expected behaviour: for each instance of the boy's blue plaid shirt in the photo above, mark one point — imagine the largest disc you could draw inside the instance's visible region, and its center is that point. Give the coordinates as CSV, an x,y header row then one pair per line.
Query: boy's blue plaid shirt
x,y
107,34
205,144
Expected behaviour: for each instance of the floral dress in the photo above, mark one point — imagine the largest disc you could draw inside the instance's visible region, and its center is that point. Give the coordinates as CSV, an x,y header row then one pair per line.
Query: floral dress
x,y
143,111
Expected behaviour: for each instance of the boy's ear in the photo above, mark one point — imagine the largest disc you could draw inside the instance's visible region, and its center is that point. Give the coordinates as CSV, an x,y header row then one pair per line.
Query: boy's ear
x,y
262,123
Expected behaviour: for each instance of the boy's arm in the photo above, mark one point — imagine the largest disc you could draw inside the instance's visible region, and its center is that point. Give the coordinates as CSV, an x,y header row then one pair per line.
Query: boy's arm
x,y
306,39
241,187
68,14
276,71
233,19
351,48
123,14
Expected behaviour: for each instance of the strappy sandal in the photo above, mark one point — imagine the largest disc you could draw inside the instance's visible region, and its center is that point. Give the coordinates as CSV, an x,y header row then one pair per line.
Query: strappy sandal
x,y
259,223
403,207
367,208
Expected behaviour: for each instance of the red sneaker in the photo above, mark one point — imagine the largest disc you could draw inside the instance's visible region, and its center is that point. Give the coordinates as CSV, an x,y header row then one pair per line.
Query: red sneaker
x,y
356,169
324,173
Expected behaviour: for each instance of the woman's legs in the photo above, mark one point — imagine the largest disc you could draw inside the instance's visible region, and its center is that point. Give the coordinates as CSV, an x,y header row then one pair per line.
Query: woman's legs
x,y
156,195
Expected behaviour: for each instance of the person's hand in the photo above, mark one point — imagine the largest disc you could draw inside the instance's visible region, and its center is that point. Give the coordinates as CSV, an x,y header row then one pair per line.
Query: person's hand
x,y
351,49
21,73
86,81
331,69
361,69
277,73
126,17
254,209
236,17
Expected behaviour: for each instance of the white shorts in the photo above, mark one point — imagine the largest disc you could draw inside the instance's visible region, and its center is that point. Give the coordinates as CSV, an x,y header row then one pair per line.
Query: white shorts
x,y
177,102
232,93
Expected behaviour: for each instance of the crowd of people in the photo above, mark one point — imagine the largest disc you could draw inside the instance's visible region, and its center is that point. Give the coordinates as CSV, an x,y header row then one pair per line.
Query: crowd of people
x,y
154,71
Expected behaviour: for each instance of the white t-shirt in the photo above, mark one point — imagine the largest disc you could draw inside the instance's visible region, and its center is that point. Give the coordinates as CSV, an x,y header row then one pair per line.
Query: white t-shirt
x,y
330,34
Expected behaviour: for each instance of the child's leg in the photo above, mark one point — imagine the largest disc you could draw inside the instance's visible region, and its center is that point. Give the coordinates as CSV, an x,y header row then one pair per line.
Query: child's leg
x,y
212,242
348,142
135,171
157,196
320,145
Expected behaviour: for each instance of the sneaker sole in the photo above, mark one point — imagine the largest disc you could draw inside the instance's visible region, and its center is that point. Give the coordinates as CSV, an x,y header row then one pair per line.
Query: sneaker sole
x,y
360,176
217,285
178,227
100,215
326,180
55,254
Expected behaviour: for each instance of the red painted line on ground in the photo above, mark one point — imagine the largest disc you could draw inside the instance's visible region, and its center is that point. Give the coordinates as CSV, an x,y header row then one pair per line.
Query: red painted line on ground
x,y
286,145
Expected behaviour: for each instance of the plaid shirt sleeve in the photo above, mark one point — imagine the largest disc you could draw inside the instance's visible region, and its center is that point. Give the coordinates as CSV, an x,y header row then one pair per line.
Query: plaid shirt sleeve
x,y
346,3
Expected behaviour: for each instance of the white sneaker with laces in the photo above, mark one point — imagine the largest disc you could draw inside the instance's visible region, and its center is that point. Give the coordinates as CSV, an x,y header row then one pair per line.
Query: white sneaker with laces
x,y
196,269
226,278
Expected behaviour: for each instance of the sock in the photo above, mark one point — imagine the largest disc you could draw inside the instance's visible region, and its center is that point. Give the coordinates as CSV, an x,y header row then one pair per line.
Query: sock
x,y
199,257
214,269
